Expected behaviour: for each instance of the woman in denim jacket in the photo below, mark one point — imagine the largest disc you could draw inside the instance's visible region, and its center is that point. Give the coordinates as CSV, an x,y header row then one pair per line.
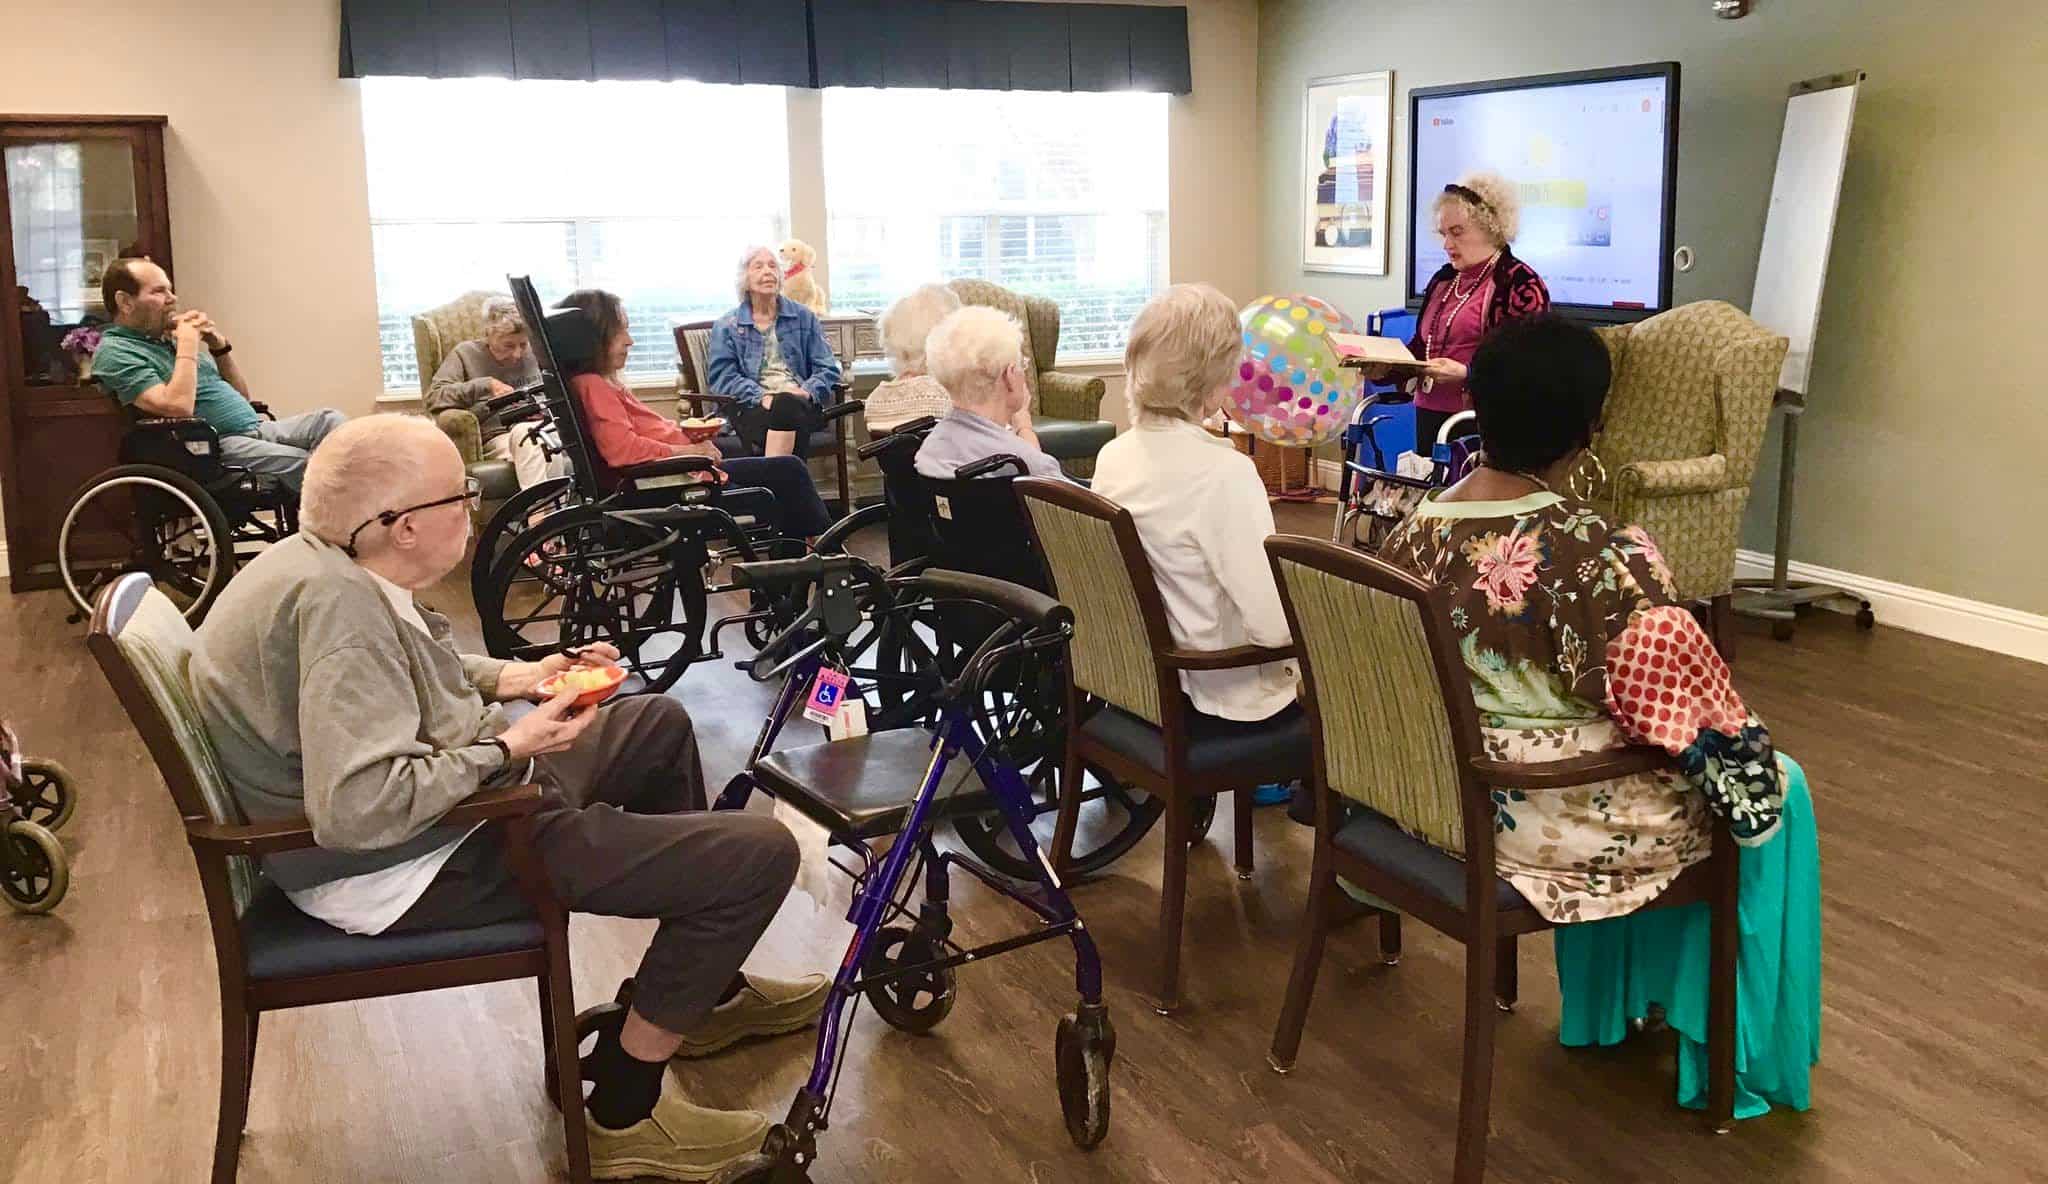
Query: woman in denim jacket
x,y
770,354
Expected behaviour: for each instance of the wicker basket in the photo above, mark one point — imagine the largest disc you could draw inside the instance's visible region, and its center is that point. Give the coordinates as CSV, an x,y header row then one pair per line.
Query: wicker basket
x,y
1281,468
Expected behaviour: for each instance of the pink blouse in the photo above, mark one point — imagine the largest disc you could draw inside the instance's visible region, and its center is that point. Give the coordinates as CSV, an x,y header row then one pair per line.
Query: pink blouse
x,y
1454,335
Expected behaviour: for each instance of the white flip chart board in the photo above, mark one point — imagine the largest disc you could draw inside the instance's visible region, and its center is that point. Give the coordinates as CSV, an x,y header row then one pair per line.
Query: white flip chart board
x,y
1792,267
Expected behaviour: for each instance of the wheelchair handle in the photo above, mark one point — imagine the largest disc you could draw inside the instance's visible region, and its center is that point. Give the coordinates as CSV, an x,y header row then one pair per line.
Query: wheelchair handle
x,y
901,434
772,574
1026,605
988,465
841,409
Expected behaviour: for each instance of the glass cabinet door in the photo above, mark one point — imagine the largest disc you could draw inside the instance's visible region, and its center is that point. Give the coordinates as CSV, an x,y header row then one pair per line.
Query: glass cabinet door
x,y
74,206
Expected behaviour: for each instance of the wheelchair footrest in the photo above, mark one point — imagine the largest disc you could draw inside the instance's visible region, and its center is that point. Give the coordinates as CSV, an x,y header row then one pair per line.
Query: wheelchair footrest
x,y
863,788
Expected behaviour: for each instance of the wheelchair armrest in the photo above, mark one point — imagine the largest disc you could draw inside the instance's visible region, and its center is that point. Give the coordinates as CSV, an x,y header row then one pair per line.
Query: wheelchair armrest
x,y
1229,659
261,408
989,465
672,466
834,539
902,434
843,408
698,401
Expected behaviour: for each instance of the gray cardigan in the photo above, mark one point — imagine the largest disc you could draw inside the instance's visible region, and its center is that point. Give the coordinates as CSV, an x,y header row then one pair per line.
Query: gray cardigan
x,y
322,702
464,380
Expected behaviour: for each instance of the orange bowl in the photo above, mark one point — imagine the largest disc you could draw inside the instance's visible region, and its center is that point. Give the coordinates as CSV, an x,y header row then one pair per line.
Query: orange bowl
x,y
699,430
604,683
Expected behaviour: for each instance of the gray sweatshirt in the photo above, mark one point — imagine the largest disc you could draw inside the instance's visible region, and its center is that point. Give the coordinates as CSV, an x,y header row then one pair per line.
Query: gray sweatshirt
x,y
322,702
464,380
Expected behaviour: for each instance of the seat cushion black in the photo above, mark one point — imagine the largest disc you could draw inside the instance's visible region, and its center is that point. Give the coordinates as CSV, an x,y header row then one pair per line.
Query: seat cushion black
x,y
862,788
1275,750
1375,839
1072,439
282,942
497,477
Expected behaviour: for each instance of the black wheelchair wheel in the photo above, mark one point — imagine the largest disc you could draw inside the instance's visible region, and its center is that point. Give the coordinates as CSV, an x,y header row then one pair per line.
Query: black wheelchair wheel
x,y
582,575
45,795
914,1003
521,510
1083,1048
900,664
149,519
34,874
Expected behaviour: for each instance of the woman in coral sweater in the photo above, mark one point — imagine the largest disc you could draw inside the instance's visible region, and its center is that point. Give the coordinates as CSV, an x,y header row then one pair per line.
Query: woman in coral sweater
x,y
625,431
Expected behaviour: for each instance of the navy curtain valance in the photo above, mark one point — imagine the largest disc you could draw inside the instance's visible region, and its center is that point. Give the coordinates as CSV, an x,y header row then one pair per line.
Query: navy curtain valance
x,y
957,44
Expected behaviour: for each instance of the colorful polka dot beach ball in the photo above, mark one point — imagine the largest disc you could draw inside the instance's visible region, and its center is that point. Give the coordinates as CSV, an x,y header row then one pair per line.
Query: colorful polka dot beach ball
x,y
1289,388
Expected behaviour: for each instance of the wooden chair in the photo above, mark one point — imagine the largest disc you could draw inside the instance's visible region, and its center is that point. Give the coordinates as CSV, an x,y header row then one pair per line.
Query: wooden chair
x,y
1146,732
1395,730
693,341
269,955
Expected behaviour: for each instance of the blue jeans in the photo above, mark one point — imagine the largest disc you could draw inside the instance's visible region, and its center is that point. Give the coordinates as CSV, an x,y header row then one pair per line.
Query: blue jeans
x,y
279,448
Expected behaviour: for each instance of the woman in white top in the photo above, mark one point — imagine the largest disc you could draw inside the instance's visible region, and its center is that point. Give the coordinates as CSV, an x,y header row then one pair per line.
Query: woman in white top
x,y
912,393
1200,508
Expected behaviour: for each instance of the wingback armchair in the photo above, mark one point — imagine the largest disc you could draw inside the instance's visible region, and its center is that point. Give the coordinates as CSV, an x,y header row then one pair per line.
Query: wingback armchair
x,y
434,333
1684,422
1065,408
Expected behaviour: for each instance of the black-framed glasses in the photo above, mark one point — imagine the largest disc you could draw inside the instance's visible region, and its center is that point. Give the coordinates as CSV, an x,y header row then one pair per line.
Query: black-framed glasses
x,y
472,493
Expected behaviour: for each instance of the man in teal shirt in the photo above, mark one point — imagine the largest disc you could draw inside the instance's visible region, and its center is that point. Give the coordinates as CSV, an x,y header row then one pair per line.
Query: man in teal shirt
x,y
150,358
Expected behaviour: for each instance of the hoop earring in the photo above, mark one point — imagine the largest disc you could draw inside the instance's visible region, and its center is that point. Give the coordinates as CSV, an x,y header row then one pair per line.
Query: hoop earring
x,y
1582,489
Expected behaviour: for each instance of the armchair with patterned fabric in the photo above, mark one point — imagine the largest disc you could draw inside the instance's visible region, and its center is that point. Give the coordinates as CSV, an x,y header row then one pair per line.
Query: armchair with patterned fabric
x,y
434,332
1065,408
1684,423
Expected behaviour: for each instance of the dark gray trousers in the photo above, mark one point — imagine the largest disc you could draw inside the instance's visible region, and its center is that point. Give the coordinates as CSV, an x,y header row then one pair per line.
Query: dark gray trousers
x,y
624,832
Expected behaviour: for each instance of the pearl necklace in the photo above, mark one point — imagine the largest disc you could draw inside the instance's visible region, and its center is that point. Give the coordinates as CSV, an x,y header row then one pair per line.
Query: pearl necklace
x,y
1444,322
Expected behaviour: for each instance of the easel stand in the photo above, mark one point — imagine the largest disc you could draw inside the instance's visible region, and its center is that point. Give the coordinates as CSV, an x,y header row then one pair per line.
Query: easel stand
x,y
1779,599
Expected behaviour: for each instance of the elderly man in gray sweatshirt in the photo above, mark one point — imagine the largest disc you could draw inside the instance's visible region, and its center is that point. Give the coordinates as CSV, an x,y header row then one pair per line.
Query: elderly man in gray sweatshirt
x,y
498,363
330,693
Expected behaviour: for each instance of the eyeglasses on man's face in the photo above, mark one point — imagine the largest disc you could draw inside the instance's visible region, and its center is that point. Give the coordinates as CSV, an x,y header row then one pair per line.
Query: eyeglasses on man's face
x,y
472,495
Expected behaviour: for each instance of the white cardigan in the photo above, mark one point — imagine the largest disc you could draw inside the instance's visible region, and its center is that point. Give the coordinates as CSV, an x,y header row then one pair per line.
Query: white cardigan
x,y
1203,517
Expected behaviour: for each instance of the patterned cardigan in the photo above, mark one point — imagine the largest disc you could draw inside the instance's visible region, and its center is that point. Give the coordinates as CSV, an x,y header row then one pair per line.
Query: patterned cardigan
x,y
1517,292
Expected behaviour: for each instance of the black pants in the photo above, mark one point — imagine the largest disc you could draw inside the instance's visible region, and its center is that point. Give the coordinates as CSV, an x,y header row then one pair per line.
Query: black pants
x,y
785,413
1427,424
624,833
799,512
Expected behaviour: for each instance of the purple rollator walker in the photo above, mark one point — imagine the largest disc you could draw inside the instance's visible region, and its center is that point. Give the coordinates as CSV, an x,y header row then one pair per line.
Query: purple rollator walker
x,y
903,781
1377,496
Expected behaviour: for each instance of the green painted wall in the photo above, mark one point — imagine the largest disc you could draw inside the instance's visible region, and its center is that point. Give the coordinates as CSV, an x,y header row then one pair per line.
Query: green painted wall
x,y
1921,460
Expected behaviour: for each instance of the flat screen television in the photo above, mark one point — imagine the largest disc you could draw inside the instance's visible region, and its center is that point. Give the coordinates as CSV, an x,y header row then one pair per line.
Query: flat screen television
x,y
1595,154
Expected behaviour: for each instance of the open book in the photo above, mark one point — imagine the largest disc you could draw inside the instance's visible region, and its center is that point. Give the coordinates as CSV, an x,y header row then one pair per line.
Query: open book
x,y
1357,349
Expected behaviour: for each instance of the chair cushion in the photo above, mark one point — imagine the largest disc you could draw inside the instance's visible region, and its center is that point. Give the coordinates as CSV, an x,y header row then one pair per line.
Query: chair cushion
x,y
1276,749
282,942
1375,839
863,787
1072,439
498,478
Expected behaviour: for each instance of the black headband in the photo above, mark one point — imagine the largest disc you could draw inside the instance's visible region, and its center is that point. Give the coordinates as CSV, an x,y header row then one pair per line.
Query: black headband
x,y
1471,196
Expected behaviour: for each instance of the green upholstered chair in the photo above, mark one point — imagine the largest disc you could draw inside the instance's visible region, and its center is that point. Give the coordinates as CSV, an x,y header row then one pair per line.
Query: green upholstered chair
x,y
269,955
1065,408
1683,425
1142,728
1404,809
434,333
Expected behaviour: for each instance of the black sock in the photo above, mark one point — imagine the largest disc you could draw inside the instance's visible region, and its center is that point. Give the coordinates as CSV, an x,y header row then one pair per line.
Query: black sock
x,y
738,984
626,1087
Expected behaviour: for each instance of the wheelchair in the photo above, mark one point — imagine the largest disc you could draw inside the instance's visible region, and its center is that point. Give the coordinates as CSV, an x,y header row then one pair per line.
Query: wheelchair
x,y
36,798
621,555
899,784
973,523
172,508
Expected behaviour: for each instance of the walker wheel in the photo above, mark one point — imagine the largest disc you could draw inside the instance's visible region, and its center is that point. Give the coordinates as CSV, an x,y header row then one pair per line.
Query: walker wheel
x,y
34,874
916,1002
1083,1049
45,794
1781,630
1865,618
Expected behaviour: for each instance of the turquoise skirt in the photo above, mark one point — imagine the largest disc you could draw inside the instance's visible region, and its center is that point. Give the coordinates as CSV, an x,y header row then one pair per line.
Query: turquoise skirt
x,y
1609,972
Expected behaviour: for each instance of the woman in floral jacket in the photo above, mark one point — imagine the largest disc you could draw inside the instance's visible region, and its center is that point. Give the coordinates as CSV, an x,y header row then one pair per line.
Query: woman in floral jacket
x,y
1575,643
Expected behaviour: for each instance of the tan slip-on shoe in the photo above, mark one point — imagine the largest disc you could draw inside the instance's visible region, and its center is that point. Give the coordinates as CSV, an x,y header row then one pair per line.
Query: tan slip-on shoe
x,y
764,1007
679,1141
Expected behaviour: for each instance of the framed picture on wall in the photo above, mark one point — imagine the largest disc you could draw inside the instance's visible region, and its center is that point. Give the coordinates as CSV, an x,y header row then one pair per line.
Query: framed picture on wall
x,y
1346,126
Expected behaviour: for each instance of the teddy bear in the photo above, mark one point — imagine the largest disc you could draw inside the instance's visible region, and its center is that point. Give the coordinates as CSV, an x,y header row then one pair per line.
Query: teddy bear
x,y
799,281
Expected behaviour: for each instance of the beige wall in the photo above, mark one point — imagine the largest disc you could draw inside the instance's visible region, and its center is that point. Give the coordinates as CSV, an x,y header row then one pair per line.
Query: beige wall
x,y
269,215
1921,458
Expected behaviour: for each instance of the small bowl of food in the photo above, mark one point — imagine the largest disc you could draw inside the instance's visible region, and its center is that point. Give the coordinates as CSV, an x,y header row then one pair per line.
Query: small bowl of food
x,y
699,430
592,684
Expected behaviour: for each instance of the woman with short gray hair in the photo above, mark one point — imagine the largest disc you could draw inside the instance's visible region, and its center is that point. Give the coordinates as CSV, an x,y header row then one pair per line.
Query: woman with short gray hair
x,y
1198,503
977,355
498,363
912,393
771,356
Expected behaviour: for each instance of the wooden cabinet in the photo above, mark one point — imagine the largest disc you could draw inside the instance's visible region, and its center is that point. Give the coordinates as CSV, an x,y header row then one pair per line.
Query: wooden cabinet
x,y
81,190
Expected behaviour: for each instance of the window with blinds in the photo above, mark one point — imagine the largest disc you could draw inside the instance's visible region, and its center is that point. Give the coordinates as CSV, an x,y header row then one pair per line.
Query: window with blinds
x,y
580,184
1052,194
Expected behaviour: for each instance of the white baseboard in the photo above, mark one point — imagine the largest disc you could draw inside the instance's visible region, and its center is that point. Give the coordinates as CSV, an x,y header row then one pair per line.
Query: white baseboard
x,y
1936,614
1325,473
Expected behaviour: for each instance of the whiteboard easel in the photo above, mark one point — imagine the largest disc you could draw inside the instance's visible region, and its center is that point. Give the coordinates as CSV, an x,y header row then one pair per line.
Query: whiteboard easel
x,y
1791,274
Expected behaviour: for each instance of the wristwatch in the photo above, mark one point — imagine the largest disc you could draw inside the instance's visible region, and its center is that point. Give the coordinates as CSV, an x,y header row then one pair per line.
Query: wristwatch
x,y
504,749
223,351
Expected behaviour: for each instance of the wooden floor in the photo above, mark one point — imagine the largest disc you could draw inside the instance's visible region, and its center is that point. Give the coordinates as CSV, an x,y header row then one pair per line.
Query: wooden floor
x,y
1926,761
